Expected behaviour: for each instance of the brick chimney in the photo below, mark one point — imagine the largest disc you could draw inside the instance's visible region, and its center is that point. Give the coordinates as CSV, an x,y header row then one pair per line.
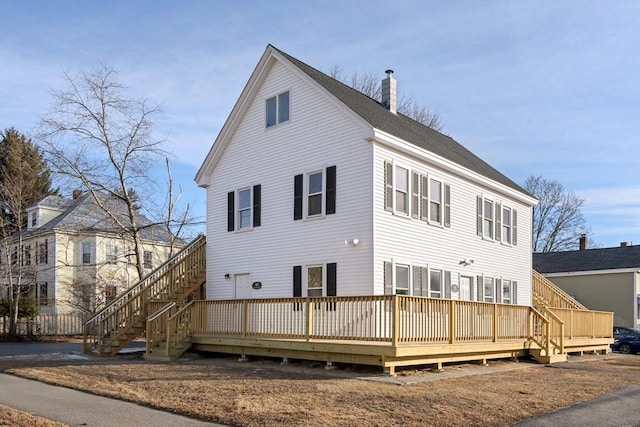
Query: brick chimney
x,y
583,242
389,92
624,244
76,194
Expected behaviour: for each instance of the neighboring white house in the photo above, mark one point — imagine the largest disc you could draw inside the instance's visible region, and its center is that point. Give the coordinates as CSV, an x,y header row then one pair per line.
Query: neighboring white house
x,y
72,257
314,189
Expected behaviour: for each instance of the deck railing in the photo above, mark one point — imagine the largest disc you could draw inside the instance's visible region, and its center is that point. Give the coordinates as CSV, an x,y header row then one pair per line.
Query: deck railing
x,y
585,324
551,295
160,285
393,319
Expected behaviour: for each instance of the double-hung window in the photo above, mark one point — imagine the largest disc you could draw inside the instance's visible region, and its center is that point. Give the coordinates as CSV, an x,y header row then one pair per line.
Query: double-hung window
x,y
86,252
147,258
435,283
314,194
410,193
489,289
435,201
111,253
27,254
506,292
277,109
496,221
402,279
43,252
319,280
244,208
42,293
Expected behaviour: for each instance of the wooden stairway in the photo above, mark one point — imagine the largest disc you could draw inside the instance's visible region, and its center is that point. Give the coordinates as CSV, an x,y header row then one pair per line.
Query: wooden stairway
x,y
125,318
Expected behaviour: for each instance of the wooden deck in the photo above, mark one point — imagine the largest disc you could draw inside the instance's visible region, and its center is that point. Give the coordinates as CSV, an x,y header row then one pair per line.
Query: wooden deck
x,y
386,330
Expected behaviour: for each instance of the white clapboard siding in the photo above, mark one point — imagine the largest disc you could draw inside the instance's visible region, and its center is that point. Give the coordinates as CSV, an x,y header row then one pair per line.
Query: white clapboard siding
x,y
318,135
412,241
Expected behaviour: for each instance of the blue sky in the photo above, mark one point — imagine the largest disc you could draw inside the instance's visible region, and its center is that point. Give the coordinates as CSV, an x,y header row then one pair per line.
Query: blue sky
x,y
548,88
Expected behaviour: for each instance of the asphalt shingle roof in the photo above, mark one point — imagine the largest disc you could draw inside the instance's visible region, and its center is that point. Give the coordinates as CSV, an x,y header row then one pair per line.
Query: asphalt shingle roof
x,y
586,260
84,215
403,127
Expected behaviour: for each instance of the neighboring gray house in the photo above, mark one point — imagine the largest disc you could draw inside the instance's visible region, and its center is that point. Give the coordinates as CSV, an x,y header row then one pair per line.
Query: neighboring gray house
x,y
74,257
605,279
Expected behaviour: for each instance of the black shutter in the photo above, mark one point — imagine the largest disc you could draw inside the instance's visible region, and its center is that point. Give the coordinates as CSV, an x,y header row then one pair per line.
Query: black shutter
x,y
332,277
415,195
330,207
447,284
297,197
257,195
480,289
514,292
297,281
230,210
417,282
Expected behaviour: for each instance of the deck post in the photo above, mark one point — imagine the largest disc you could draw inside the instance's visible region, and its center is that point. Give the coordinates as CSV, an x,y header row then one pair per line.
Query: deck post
x,y
309,319
245,317
495,322
396,321
452,321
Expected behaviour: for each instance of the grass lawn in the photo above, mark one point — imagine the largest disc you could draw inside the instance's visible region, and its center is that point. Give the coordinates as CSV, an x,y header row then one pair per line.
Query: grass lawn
x,y
264,393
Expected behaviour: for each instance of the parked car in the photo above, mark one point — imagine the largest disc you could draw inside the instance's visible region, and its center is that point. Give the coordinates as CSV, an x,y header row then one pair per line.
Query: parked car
x,y
621,332
627,345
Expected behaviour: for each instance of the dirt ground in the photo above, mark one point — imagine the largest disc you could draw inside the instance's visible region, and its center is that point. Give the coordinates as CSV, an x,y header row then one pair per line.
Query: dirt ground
x,y
262,392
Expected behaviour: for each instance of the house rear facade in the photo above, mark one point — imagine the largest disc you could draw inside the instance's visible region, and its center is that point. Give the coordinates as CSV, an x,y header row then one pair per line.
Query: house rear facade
x,y
314,189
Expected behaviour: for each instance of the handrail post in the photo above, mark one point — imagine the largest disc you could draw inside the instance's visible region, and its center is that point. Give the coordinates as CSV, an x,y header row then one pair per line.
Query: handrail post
x,y
495,322
395,317
245,316
452,321
309,319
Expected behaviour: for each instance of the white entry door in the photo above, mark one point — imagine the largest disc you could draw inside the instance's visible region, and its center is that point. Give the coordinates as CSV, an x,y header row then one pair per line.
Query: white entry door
x,y
243,286
465,288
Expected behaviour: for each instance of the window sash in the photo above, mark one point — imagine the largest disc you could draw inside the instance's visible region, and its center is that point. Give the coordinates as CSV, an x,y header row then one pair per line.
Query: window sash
x,y
488,289
506,291
506,225
315,280
86,253
435,283
244,208
402,279
277,109
315,193
147,259
487,219
402,190
435,201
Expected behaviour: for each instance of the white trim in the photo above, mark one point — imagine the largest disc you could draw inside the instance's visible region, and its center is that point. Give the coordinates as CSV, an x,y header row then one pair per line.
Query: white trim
x,y
592,272
448,165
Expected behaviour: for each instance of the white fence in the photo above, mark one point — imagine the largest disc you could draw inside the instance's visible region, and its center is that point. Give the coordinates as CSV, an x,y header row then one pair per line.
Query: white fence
x,y
46,325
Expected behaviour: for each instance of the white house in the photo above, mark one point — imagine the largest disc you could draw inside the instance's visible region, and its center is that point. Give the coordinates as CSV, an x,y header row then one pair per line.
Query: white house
x,y
314,189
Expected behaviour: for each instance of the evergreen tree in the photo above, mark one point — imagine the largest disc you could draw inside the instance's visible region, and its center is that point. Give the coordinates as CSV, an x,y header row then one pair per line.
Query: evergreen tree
x,y
25,178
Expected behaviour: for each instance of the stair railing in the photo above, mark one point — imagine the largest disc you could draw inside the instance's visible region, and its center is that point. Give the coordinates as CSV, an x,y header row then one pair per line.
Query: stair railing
x,y
163,283
157,326
546,293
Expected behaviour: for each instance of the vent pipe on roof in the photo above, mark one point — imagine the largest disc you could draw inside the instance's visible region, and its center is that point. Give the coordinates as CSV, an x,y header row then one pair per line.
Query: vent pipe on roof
x,y
583,242
390,92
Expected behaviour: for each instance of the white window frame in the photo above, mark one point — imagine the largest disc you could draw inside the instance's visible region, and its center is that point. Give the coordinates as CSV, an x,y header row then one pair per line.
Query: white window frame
x,y
439,203
408,288
433,293
110,253
147,265
506,230
488,223
239,210
278,118
34,219
83,246
307,194
307,276
491,297
507,284
406,192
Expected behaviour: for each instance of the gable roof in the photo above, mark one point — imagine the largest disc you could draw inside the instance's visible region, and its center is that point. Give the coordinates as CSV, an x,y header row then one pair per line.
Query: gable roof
x,y
621,257
377,116
84,215
402,126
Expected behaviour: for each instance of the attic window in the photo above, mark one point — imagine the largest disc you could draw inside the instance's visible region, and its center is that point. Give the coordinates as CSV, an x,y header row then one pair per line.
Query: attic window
x,y
34,219
278,109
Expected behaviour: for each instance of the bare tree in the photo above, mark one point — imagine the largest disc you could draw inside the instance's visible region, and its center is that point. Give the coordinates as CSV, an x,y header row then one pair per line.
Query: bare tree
x,y
370,85
557,220
99,138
